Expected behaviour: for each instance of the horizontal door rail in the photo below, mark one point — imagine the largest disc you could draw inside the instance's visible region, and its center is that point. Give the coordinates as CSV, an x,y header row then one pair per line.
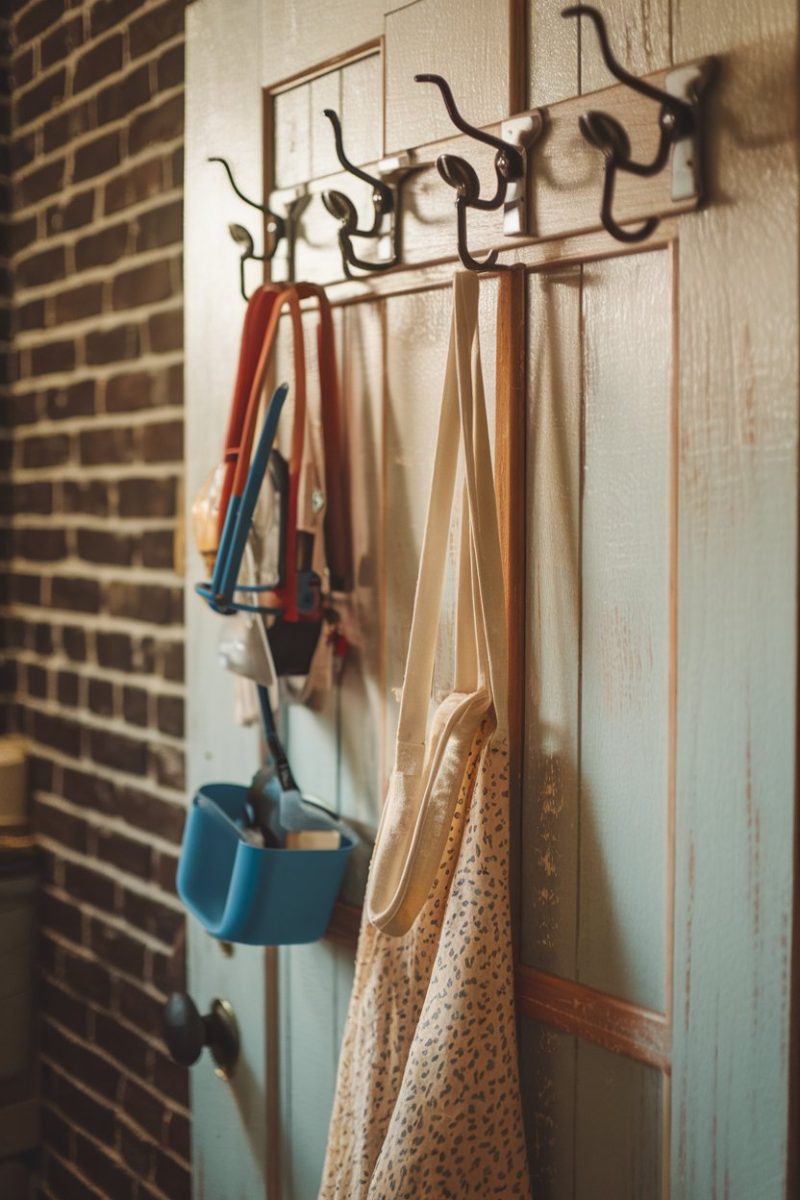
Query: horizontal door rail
x,y
617,1025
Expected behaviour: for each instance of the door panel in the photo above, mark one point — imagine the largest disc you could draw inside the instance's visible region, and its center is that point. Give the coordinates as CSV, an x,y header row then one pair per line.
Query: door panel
x,y
594,1120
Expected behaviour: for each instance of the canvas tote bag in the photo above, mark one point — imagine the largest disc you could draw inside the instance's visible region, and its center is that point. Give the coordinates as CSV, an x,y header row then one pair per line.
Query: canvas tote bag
x,y
427,1103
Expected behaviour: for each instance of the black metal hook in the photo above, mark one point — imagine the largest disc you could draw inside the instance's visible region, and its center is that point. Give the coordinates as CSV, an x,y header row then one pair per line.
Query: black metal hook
x,y
342,208
275,226
509,165
676,121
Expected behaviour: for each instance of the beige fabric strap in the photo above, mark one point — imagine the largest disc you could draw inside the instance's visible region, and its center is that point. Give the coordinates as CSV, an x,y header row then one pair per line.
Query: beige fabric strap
x,y
462,422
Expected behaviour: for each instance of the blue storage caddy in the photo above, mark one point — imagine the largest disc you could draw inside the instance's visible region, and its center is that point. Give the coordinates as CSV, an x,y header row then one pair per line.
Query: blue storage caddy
x,y
245,893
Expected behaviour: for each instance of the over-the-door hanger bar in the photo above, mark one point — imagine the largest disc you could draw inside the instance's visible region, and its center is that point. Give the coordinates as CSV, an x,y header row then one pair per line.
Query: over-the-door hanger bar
x,y
530,157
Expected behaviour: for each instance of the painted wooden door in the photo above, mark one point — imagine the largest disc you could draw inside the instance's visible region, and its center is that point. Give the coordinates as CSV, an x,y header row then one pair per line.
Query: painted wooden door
x,y
646,452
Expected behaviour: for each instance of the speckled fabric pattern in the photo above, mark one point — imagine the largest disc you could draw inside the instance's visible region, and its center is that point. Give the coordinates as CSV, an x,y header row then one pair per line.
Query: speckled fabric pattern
x,y
427,1100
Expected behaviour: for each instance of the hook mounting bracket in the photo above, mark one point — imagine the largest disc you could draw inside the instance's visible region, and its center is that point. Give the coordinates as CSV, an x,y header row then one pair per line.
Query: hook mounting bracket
x,y
520,132
688,84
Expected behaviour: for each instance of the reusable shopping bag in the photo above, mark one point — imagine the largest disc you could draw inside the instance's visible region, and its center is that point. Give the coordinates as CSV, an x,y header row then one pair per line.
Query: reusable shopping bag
x,y
427,1103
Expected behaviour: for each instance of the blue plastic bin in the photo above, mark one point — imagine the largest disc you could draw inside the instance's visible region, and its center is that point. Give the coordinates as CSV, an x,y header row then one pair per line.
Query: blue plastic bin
x,y
250,894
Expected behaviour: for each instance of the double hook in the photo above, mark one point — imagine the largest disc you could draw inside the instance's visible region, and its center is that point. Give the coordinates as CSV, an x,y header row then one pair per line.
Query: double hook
x,y
385,206
510,166
677,120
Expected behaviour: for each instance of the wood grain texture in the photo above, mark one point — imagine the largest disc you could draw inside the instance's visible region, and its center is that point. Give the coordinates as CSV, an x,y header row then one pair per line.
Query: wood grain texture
x,y
229,1149
600,1139
300,37
737,617
626,588
618,1026
549,831
470,48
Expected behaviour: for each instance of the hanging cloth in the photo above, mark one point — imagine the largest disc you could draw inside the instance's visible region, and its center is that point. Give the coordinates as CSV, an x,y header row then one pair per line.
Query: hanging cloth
x,y
427,1102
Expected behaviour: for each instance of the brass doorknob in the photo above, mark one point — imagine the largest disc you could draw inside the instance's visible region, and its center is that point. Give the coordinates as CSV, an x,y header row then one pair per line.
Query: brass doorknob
x,y
186,1032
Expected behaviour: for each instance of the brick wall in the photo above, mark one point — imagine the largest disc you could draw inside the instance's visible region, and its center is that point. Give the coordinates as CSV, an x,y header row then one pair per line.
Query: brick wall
x,y
92,616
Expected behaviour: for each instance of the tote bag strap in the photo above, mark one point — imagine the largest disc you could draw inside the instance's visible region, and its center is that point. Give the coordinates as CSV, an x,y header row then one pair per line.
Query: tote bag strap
x,y
462,422
287,298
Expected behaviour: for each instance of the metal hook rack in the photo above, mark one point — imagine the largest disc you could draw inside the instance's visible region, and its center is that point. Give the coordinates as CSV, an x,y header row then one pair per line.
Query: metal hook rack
x,y
277,228
679,128
385,207
510,164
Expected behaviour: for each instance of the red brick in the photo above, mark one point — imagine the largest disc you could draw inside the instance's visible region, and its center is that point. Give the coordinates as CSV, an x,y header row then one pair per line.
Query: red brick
x,y
74,400
67,125
118,751
73,643
137,1151
45,266
65,38
32,498
101,248
40,98
89,497
135,705
72,214
49,451
147,497
161,124
123,96
57,1133
163,442
172,1080
90,979
88,886
67,688
151,916
82,595
139,1008
156,26
43,544
96,63
113,445
143,1109
145,602
63,1182
108,1173
165,331
158,549
58,732
96,157
170,715
107,13
170,67
44,181
174,1178
169,767
131,391
53,357
150,813
61,917
78,303
62,827
142,285
113,345
79,1061
100,697
90,791
160,227
36,18
104,546
117,949
141,182
30,316
85,1112
172,665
